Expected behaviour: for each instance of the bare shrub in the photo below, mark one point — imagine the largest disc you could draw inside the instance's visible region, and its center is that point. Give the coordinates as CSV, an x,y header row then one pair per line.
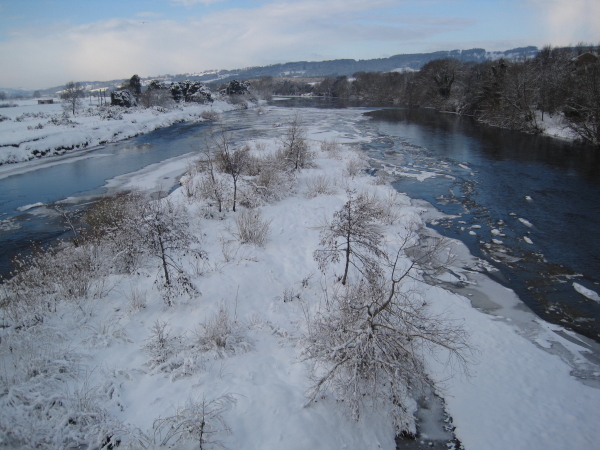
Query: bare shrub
x,y
161,345
210,115
34,350
104,334
46,277
251,228
260,146
319,185
353,167
137,299
332,148
189,184
381,178
290,295
214,188
222,336
388,210
199,421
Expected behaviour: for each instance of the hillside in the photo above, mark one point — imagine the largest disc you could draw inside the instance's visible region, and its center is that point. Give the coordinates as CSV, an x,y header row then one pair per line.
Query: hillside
x,y
336,67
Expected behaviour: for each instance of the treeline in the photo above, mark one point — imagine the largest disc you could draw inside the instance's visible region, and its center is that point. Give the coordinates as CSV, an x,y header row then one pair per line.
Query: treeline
x,y
515,94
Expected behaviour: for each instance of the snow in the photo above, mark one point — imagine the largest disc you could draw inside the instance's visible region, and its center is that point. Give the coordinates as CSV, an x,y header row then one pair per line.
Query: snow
x,y
588,293
29,133
521,392
555,126
28,207
527,240
525,222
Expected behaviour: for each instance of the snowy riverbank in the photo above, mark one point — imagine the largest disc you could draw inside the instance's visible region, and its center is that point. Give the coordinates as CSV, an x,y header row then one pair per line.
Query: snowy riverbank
x,y
30,130
98,374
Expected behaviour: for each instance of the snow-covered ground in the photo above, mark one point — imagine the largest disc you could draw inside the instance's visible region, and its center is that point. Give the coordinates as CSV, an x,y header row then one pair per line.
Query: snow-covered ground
x,y
30,130
555,126
531,385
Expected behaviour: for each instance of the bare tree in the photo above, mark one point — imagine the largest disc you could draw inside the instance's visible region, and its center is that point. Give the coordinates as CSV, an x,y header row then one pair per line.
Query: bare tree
x,y
295,147
232,161
212,187
71,96
583,106
163,230
368,347
353,235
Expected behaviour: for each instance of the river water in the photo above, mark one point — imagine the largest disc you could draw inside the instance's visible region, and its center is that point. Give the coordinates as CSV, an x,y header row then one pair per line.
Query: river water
x,y
485,180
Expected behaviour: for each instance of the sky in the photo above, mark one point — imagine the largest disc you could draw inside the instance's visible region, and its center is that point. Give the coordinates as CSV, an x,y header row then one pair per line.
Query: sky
x,y
45,43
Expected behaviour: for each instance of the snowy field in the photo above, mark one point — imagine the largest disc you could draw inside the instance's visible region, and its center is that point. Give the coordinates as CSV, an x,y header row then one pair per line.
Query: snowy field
x,y
121,364
30,130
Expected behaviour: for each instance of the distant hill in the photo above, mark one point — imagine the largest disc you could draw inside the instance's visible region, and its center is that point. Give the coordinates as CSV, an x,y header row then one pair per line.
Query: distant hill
x,y
336,67
348,67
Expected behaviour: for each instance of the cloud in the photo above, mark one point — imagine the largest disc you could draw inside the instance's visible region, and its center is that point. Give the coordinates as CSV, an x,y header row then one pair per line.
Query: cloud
x,y
149,14
570,21
228,39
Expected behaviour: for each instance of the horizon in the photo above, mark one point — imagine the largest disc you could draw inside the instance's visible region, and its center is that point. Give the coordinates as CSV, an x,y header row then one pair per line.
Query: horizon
x,y
49,42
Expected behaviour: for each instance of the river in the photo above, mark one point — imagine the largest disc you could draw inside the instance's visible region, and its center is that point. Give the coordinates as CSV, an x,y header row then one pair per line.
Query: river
x,y
499,189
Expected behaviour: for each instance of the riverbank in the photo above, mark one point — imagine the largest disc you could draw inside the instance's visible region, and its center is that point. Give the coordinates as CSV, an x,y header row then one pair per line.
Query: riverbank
x,y
97,355
29,130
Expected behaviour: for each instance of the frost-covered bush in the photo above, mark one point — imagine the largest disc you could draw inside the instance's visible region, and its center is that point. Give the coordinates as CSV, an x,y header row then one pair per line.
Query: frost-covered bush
x,y
319,185
389,208
237,87
332,148
294,146
31,115
267,179
46,277
221,336
111,114
354,166
199,421
124,98
34,350
214,188
161,345
381,178
210,115
104,334
3,118
63,120
368,347
137,299
135,229
251,228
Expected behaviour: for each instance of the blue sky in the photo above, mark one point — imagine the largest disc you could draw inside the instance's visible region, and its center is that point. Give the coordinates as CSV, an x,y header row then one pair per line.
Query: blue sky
x,y
45,43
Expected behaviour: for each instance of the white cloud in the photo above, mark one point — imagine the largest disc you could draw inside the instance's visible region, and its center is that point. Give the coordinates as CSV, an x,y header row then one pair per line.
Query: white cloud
x,y
233,38
570,21
149,14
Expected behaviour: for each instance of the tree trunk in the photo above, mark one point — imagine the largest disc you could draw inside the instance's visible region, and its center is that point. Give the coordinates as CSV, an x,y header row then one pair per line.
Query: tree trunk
x,y
164,260
347,259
